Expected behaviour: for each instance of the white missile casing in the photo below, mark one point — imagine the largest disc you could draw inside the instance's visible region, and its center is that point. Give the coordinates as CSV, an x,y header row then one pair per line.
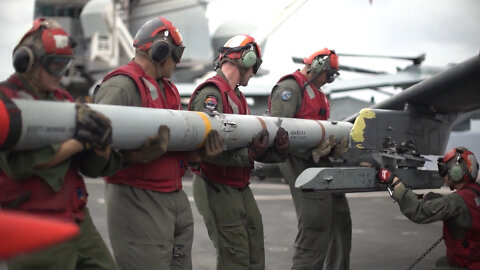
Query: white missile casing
x,y
46,122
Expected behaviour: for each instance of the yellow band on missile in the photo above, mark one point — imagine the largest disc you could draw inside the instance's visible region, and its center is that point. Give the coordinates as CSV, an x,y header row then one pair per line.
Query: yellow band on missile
x,y
357,133
208,127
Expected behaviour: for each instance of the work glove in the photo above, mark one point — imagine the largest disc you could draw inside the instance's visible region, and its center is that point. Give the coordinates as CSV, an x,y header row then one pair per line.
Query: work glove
x,y
323,149
340,148
213,144
258,146
385,176
281,142
92,128
156,145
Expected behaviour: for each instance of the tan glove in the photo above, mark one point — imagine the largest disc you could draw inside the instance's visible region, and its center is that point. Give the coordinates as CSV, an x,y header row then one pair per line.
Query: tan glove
x,y
213,144
340,148
92,128
156,145
323,149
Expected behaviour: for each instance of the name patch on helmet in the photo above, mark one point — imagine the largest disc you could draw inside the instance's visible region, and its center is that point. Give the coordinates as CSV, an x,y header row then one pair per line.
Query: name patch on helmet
x,y
286,95
211,103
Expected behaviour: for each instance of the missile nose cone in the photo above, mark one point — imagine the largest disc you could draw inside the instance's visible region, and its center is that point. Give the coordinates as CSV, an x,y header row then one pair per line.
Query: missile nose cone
x,y
22,233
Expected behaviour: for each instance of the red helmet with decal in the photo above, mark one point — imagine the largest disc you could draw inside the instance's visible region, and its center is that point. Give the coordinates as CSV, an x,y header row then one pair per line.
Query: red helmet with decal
x,y
324,60
244,50
155,34
459,164
47,43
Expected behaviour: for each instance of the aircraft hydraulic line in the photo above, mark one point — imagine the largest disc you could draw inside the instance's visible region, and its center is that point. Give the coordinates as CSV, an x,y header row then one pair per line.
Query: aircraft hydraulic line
x,y
27,124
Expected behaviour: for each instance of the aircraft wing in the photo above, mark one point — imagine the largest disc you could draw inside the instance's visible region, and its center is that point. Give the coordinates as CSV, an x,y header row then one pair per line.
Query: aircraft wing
x,y
455,90
399,79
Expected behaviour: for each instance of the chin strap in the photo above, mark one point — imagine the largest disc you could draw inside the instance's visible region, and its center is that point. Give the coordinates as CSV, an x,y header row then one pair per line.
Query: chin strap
x,y
311,80
241,70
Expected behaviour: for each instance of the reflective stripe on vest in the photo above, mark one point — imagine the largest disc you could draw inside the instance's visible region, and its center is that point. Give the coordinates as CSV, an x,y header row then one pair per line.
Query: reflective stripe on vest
x,y
165,173
33,194
238,177
314,105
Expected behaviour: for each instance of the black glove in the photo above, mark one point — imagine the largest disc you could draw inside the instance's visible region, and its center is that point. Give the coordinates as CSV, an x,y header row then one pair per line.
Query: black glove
x,y
92,128
213,144
281,142
258,146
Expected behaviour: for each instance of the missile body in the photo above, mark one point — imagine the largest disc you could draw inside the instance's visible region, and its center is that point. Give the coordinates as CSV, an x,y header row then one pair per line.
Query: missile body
x,y
26,124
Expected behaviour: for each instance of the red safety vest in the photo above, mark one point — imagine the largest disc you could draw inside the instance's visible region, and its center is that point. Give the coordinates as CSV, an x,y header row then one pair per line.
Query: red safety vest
x,y
238,177
33,194
163,174
466,252
315,104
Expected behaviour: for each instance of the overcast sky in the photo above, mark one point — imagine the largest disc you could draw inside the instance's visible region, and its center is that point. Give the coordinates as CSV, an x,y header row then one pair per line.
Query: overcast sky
x,y
447,31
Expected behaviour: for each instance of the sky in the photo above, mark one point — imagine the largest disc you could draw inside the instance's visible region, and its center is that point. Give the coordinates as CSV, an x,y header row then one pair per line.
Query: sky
x,y
447,31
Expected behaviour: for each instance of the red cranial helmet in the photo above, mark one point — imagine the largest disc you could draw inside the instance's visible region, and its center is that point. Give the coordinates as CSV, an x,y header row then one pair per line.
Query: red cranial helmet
x,y
160,37
45,43
244,50
459,164
324,60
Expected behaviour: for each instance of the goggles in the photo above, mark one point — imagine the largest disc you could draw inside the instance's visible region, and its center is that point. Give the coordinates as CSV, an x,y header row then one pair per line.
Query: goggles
x,y
442,167
57,65
257,64
177,53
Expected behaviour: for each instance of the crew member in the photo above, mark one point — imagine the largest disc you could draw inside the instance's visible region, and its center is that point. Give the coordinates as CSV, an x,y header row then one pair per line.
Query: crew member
x,y
149,218
324,224
220,186
46,182
459,211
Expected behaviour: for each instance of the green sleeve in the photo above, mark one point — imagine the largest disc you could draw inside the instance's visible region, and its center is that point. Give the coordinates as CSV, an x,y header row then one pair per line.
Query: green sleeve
x,y
198,101
283,105
118,90
450,207
237,157
286,98
92,165
21,164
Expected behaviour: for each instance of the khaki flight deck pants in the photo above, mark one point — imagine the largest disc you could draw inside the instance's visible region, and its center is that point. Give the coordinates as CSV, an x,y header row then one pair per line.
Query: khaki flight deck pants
x,y
324,235
234,224
86,251
149,230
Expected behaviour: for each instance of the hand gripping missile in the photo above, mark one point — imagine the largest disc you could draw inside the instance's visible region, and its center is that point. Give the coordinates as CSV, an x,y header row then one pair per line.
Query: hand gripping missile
x,y
27,124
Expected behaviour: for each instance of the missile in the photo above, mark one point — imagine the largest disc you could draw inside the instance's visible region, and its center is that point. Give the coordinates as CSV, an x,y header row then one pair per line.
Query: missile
x,y
22,233
27,125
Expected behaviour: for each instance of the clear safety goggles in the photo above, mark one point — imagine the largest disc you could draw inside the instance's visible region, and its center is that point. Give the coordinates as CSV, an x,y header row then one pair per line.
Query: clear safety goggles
x,y
57,65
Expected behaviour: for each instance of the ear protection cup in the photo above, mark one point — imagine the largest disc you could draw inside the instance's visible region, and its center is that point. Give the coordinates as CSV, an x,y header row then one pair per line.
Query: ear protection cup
x,y
23,59
249,58
456,173
318,65
160,51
